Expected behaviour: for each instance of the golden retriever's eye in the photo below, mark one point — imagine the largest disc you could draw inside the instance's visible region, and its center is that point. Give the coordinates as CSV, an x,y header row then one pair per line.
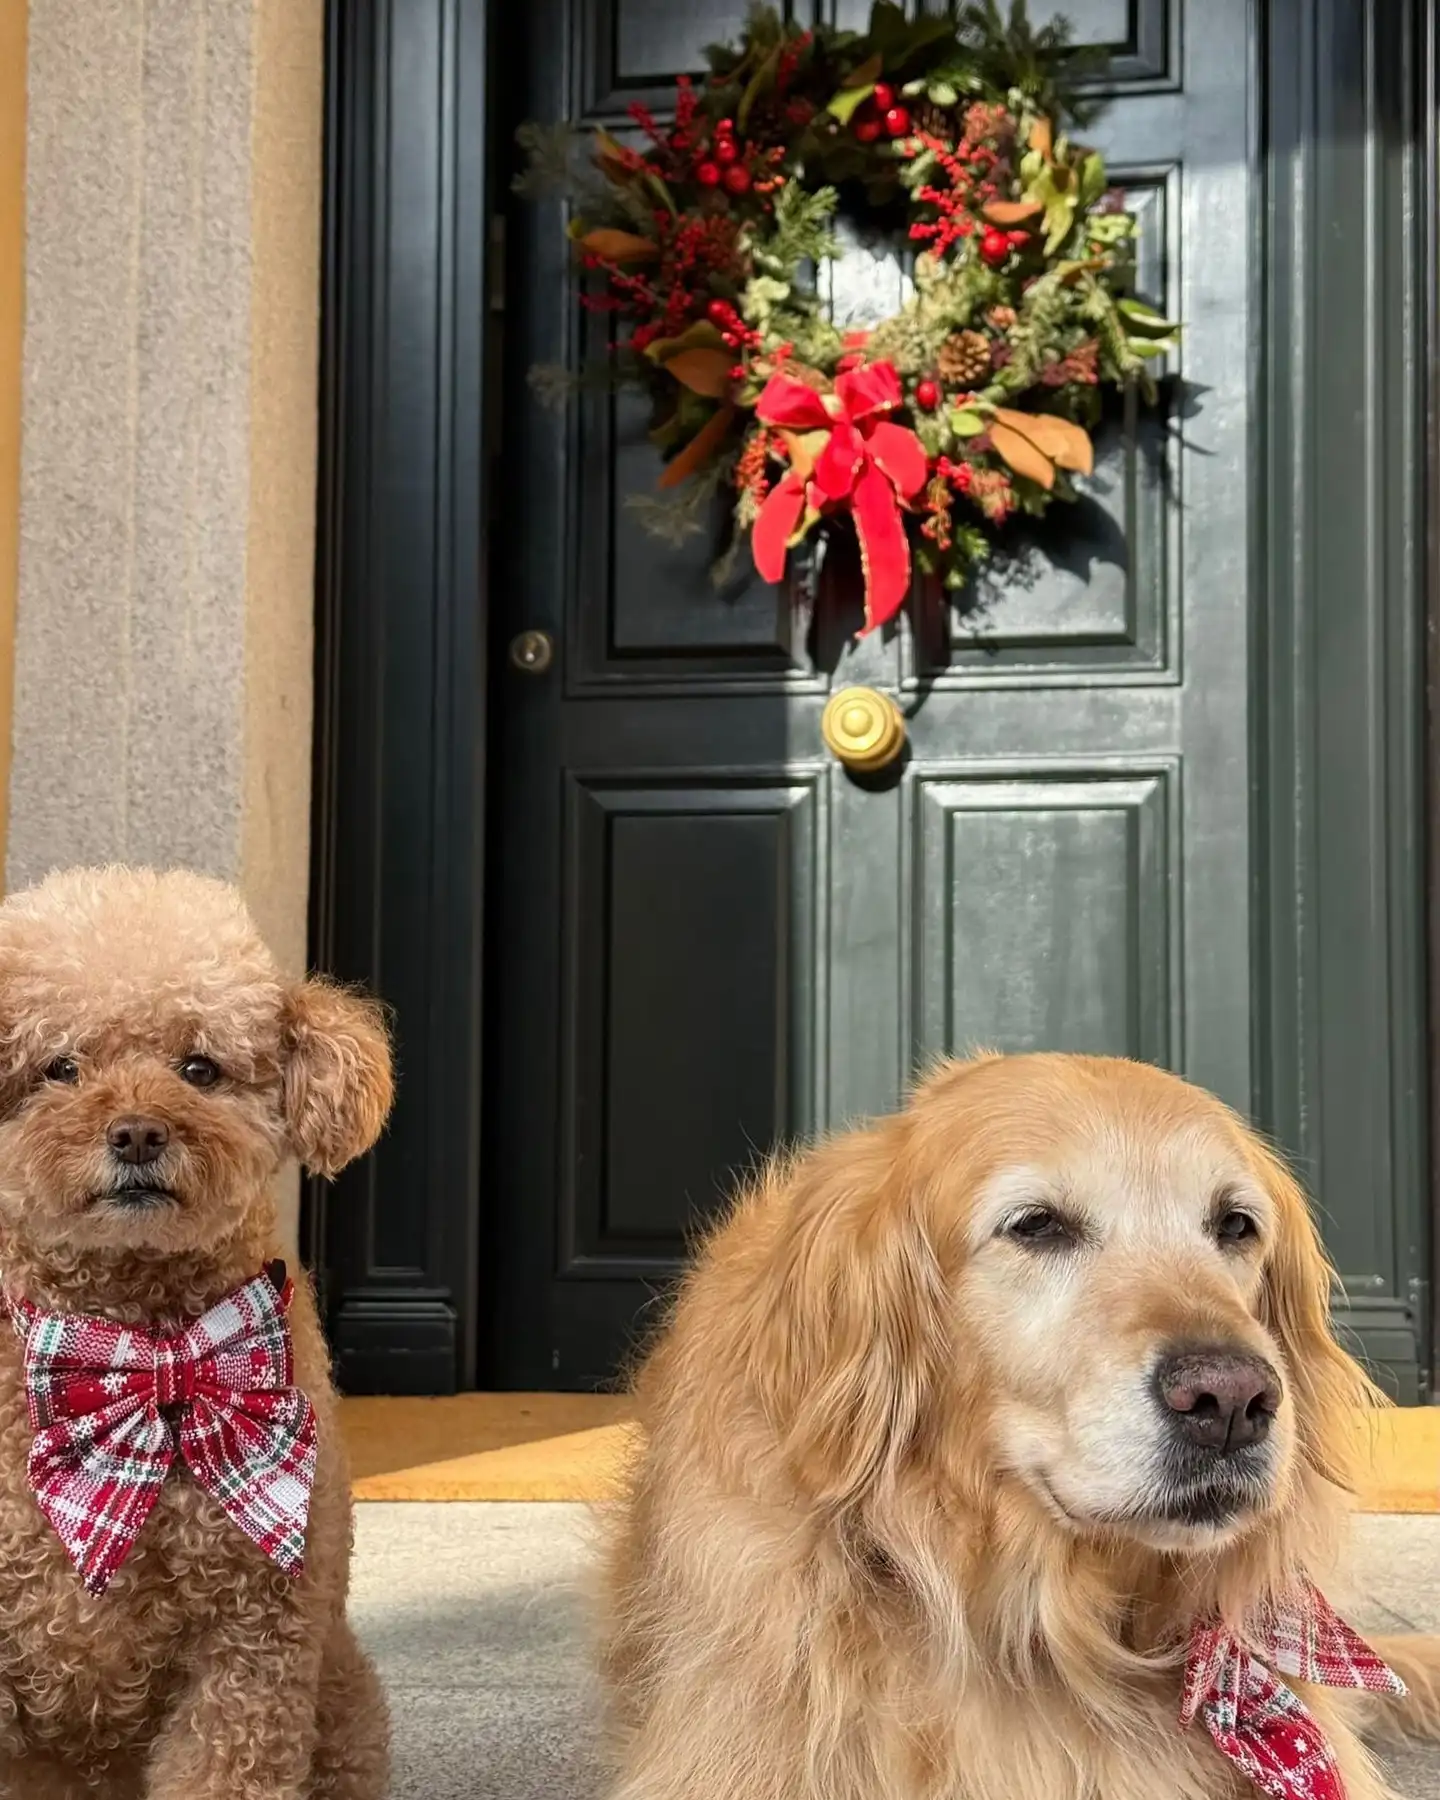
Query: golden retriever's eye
x,y
1040,1228
199,1071
64,1068
1235,1227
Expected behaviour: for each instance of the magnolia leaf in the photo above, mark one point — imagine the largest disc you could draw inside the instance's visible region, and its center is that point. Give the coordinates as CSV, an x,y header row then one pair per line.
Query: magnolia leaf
x,y
865,74
702,335
1068,273
1092,178
1022,455
940,93
1149,346
1067,446
619,246
966,424
809,519
1059,222
699,450
661,192
612,158
763,77
1032,167
702,371
1042,139
845,104
1145,320
1012,212
805,448
664,436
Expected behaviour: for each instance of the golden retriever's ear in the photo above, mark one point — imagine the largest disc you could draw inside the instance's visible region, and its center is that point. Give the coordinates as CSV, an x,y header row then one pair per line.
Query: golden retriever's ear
x,y
1328,1384
849,1321
338,1079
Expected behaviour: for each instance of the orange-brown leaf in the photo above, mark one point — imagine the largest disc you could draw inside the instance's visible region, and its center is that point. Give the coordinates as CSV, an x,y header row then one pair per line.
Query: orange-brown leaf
x,y
619,246
1067,446
1023,457
704,372
1012,212
1042,138
706,441
805,448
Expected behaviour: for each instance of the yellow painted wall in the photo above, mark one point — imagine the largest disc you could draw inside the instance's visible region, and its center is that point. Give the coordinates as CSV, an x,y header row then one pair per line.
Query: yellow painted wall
x,y
13,18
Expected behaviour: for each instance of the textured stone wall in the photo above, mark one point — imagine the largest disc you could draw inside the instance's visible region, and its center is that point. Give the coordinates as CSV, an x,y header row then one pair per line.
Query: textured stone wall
x,y
12,327
162,670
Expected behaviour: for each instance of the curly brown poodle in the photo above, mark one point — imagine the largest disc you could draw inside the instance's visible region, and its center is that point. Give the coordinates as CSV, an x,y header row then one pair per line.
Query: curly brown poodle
x,y
157,1071
971,1435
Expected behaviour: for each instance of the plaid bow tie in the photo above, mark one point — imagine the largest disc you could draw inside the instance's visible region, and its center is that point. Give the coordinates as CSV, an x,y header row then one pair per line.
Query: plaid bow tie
x,y
110,1404
1255,1719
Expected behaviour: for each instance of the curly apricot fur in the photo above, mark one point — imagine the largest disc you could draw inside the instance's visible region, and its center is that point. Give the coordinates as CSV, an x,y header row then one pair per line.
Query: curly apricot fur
x,y
203,1673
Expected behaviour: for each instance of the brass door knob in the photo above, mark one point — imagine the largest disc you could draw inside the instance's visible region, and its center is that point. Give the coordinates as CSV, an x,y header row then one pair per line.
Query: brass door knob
x,y
863,729
532,651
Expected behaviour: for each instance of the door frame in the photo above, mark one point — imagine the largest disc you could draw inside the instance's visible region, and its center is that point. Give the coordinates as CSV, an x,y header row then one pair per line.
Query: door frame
x,y
401,630
418,156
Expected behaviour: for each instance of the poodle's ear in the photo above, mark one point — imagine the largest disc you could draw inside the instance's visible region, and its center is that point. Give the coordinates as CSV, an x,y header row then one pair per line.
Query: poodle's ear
x,y
1328,1385
338,1079
849,1321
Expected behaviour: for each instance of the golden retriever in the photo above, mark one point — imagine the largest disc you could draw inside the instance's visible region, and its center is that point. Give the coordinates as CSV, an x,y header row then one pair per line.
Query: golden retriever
x,y
962,1425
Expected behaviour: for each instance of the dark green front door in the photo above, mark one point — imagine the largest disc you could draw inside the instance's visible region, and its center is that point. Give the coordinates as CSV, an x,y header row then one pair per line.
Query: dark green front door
x,y
1122,806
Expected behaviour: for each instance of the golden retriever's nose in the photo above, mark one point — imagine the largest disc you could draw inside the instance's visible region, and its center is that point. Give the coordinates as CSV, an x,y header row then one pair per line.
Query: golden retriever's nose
x,y
1221,1399
137,1140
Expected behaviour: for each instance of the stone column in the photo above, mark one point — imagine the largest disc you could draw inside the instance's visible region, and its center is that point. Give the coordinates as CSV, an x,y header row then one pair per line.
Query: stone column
x,y
163,626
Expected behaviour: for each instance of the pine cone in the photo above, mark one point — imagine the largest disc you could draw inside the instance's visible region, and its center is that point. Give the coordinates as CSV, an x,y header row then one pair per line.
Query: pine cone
x,y
964,359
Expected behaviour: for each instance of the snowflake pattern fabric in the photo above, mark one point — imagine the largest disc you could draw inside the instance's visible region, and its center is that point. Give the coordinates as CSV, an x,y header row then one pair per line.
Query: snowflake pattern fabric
x,y
1255,1719
111,1405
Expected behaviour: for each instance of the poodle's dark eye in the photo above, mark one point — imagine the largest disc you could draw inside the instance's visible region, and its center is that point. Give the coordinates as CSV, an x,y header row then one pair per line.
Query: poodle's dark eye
x,y
64,1068
1041,1229
199,1071
1235,1227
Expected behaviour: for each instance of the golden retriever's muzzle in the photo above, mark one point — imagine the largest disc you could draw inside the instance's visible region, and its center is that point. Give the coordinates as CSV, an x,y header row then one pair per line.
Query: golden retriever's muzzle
x,y
1217,1404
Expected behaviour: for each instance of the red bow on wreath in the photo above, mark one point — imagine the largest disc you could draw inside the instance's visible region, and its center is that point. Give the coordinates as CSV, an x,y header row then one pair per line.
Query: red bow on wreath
x,y
868,464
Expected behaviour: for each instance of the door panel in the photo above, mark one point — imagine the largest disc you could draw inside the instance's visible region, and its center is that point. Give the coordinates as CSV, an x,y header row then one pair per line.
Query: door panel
x,y
692,929
1042,913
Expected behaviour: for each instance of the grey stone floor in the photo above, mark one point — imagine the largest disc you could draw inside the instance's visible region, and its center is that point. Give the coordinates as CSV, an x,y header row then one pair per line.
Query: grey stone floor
x,y
475,1615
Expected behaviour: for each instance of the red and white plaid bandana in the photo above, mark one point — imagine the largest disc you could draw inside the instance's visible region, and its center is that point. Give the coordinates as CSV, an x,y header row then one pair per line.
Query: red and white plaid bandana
x,y
1255,1719
110,1404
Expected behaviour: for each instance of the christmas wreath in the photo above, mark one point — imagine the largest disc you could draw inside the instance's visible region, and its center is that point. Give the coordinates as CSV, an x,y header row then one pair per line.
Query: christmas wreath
x,y
707,242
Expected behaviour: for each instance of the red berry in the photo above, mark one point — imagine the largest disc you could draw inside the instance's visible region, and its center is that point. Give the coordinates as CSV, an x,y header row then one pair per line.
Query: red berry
x,y
726,150
720,312
883,96
708,174
994,247
725,127
867,130
897,121
1018,239
737,179
927,394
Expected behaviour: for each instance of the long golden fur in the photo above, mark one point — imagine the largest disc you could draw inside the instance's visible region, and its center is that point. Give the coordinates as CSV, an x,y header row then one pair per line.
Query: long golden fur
x,y
903,1527
203,1673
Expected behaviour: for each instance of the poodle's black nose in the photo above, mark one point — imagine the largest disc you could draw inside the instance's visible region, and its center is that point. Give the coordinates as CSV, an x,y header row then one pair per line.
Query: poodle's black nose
x,y
1219,1399
137,1140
